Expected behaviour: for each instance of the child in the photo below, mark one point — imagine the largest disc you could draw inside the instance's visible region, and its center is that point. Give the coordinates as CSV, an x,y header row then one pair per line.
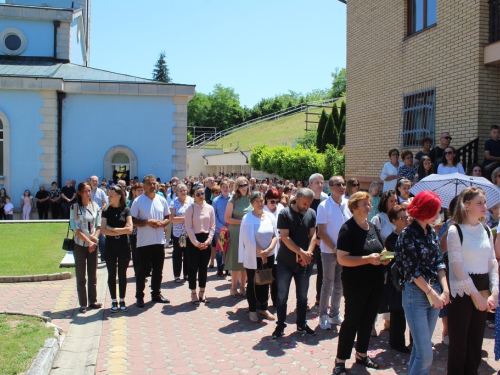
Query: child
x,y
374,191
9,209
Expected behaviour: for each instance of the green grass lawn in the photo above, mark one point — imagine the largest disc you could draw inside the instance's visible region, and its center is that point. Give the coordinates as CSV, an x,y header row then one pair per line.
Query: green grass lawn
x,y
271,133
22,338
31,249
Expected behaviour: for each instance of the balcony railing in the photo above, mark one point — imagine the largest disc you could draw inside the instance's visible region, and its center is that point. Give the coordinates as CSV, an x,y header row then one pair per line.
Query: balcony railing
x,y
494,20
468,153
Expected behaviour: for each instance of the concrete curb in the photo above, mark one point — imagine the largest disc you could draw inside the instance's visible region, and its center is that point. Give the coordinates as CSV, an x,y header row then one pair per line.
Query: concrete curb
x,y
44,318
45,358
35,278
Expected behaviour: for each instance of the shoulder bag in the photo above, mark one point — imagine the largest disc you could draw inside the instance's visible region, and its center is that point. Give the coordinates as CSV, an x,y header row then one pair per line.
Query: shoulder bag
x,y
68,243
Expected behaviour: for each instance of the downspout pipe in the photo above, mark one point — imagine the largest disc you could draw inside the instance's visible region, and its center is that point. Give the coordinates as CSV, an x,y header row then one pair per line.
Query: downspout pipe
x,y
60,98
57,24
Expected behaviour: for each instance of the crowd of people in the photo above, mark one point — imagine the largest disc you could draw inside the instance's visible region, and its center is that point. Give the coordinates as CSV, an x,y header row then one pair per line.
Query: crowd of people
x,y
384,250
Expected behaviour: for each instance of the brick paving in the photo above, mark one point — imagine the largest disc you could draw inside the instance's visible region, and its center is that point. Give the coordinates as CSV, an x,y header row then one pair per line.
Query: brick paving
x,y
181,338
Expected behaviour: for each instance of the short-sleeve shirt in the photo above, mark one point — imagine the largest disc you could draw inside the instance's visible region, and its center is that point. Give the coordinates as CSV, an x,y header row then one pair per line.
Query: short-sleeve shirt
x,y
116,218
359,242
68,192
493,147
100,197
42,194
145,208
180,210
334,216
55,193
299,226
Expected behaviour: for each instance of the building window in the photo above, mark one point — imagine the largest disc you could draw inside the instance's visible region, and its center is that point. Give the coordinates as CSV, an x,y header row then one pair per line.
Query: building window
x,y
418,117
421,15
1,148
121,166
12,41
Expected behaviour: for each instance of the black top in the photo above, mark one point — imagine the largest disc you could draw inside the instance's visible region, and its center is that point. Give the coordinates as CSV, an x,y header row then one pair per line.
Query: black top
x,y
493,147
42,194
436,155
390,241
420,155
359,242
116,218
314,205
299,226
68,192
418,254
208,195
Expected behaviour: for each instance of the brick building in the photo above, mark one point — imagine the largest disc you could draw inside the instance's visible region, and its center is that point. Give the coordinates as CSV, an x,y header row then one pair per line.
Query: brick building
x,y
419,68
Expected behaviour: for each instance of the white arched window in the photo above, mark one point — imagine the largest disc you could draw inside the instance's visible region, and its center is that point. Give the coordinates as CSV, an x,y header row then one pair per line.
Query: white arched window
x,y
120,162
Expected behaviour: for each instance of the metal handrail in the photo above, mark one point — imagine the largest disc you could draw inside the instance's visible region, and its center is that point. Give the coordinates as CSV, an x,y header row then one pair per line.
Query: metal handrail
x,y
272,116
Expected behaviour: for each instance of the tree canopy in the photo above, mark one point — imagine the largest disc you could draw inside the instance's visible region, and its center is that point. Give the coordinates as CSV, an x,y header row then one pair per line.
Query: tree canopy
x,y
161,72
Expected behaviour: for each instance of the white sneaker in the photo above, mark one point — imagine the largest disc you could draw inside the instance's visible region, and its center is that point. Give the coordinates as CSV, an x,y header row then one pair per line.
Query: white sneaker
x,y
323,322
336,320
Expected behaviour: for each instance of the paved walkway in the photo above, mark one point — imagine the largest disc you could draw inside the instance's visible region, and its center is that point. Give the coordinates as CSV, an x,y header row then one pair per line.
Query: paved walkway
x,y
181,338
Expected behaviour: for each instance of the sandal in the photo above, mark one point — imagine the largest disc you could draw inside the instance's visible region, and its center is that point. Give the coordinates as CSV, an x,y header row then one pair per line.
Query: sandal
x,y
194,299
253,317
202,298
339,369
235,293
366,361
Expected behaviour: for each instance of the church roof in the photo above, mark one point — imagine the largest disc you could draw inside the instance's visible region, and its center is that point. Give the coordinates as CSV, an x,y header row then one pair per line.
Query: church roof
x,y
39,68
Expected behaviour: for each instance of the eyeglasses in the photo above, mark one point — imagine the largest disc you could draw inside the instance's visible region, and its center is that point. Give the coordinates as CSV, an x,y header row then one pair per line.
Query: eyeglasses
x,y
404,218
338,184
242,186
273,202
355,185
448,152
199,194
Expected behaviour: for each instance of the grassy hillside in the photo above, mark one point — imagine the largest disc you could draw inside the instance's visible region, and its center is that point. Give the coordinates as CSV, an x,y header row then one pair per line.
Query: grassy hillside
x,y
271,133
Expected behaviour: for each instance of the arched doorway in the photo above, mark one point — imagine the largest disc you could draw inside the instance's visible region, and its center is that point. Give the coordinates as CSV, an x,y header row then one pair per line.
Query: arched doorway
x,y
120,162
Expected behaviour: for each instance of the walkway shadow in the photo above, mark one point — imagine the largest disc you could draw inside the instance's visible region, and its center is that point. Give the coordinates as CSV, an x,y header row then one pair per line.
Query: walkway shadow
x,y
241,322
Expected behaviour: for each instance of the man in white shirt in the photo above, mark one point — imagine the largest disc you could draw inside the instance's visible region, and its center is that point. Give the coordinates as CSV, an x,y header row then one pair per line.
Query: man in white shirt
x,y
99,196
332,214
150,215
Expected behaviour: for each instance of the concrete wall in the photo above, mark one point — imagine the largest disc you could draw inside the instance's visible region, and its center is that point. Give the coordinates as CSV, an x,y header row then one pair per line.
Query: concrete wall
x,y
383,64
76,52
93,124
39,35
22,109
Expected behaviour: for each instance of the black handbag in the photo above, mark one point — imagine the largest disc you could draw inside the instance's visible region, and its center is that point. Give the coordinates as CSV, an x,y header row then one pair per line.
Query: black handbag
x,y
68,243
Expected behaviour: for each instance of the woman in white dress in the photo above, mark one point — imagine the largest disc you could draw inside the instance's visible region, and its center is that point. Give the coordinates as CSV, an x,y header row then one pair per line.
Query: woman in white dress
x,y
390,171
27,204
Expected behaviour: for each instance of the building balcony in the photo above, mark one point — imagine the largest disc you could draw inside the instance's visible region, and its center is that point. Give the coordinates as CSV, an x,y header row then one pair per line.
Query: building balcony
x,y
492,50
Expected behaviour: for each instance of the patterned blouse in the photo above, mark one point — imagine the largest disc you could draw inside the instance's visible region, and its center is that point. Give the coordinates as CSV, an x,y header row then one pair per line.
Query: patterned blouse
x,y
419,254
86,219
409,173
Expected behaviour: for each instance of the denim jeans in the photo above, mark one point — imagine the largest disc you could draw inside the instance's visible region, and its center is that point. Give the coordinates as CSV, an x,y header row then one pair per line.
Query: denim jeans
x,y
421,318
332,285
284,275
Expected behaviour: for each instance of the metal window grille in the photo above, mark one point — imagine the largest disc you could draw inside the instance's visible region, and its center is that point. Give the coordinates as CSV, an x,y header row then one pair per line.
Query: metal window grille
x,y
418,117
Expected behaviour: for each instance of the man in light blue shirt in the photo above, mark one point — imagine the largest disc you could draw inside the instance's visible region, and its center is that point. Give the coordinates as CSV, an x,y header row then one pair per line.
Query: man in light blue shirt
x,y
219,204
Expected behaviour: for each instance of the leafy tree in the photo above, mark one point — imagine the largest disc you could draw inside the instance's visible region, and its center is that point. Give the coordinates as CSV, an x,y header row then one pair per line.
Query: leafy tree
x,y
334,162
189,137
330,135
225,109
321,129
339,83
198,108
308,140
161,72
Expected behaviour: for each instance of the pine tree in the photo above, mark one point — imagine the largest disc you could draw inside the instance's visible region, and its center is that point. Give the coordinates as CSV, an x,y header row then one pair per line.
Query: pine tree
x,y
321,128
330,135
161,72
342,134
342,111
336,117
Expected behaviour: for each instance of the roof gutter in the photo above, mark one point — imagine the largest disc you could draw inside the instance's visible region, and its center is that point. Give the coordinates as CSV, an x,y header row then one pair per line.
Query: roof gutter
x,y
60,98
57,24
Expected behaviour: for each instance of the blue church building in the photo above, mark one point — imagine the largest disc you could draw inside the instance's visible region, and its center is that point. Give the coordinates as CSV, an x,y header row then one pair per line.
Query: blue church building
x,y
61,119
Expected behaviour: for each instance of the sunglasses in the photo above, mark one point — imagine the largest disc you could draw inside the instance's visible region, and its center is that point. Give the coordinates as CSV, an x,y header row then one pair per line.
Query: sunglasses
x,y
242,186
448,153
199,194
338,184
355,185
404,218
273,202
448,138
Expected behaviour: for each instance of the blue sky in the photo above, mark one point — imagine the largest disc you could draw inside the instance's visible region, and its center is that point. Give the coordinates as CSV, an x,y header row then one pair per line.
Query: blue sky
x,y
260,48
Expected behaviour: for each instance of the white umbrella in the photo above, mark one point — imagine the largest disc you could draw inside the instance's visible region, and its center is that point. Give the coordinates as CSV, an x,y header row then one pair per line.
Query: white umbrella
x,y
448,186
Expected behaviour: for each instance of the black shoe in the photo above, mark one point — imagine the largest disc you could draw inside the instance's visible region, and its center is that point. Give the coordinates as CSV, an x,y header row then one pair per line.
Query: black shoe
x,y
220,274
123,307
402,349
306,330
140,303
160,298
114,307
279,332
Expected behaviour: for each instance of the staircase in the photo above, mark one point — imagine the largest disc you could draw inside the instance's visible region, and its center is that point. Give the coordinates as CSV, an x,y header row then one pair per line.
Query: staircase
x,y
468,154
210,138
